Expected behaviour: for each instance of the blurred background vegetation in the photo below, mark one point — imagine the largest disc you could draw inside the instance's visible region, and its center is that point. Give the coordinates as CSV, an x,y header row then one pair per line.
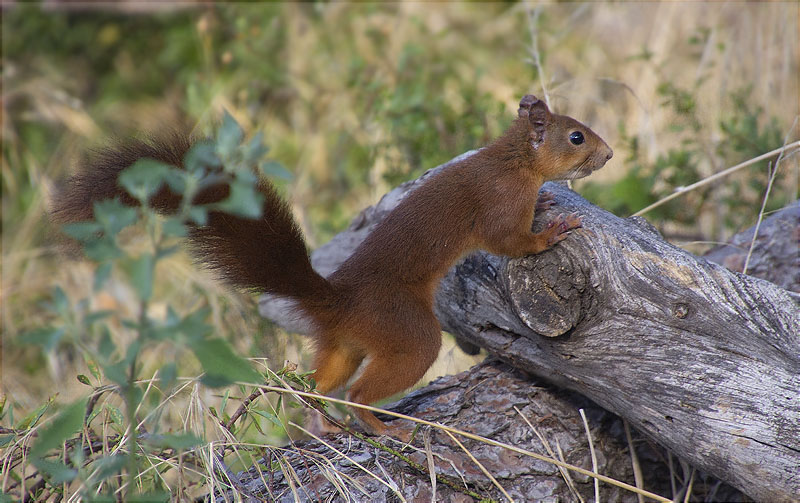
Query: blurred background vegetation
x,y
356,98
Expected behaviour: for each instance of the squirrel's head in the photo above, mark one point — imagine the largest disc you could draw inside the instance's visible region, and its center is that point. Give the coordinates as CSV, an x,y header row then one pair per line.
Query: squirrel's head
x,y
563,147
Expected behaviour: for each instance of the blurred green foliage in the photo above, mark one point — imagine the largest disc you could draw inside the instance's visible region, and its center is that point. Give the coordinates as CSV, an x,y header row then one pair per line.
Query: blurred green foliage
x,y
105,63
744,133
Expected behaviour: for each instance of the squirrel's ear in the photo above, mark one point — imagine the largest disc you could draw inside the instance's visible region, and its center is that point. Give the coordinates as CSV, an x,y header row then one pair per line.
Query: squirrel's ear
x,y
538,115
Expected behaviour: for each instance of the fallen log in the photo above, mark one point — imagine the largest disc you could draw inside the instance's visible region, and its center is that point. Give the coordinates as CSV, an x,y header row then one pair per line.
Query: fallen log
x,y
702,360
492,400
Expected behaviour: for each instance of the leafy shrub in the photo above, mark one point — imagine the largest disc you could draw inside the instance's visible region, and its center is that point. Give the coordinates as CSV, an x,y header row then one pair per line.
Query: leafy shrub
x,y
89,445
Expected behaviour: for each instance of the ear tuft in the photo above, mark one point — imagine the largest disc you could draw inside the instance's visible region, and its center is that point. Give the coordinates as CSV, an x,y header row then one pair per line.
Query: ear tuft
x,y
538,115
525,104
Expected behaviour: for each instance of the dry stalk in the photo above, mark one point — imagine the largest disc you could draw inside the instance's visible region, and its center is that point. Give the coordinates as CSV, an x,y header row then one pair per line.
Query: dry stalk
x,y
773,173
594,456
426,437
637,468
564,473
480,465
705,181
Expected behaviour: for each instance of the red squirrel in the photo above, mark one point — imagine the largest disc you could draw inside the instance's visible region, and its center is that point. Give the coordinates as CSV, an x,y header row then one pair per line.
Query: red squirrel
x,y
378,305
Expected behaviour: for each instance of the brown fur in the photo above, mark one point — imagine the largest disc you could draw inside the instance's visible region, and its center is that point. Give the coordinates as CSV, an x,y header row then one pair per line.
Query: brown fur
x,y
379,304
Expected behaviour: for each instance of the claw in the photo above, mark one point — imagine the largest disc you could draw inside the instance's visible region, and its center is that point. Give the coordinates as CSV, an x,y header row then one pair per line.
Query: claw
x,y
545,201
560,227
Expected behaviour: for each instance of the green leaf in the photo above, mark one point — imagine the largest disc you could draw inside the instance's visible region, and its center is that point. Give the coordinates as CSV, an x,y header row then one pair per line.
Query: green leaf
x,y
84,380
105,348
144,178
92,366
274,169
268,415
198,215
101,275
244,200
221,365
149,497
141,270
67,422
225,397
95,316
114,216
107,466
82,231
116,373
201,155
102,249
33,418
61,302
176,179
116,416
6,439
228,138
58,471
194,325
167,375
174,227
47,337
255,149
132,351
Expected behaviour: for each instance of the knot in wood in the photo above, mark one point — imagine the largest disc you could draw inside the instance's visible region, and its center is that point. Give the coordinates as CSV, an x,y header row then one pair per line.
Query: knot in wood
x,y
545,291
680,310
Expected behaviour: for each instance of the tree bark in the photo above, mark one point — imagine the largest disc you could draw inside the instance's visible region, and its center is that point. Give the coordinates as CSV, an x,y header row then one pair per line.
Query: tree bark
x,y
496,401
775,257
702,360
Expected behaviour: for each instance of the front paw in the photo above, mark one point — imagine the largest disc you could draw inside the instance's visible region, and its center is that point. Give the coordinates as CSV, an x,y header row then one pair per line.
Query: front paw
x,y
558,229
545,201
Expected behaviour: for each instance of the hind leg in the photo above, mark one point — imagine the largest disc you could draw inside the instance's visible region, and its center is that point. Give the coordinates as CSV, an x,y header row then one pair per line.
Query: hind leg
x,y
390,372
335,365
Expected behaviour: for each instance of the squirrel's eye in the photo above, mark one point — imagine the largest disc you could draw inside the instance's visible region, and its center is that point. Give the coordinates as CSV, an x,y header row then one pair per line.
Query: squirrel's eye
x,y
576,137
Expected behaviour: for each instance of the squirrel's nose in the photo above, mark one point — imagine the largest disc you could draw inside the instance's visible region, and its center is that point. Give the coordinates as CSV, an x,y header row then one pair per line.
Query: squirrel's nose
x,y
610,154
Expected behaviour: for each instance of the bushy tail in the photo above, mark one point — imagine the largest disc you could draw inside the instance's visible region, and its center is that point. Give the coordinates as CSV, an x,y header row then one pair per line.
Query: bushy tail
x,y
267,254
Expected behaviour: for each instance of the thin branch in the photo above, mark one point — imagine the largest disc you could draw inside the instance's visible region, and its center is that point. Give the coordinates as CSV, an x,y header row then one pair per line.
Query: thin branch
x,y
482,468
533,18
637,468
594,456
773,174
689,487
564,473
683,190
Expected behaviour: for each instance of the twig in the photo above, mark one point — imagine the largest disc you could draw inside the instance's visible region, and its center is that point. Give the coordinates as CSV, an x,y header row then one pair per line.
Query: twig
x,y
426,437
594,456
480,465
351,460
637,468
564,472
689,487
533,18
672,475
773,173
683,190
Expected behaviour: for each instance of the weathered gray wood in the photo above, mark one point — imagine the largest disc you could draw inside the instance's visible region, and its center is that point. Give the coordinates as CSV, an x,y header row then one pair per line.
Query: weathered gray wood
x,y
776,256
493,400
703,360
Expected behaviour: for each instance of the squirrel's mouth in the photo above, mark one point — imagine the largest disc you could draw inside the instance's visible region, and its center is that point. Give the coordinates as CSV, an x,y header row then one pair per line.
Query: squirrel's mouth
x,y
585,168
